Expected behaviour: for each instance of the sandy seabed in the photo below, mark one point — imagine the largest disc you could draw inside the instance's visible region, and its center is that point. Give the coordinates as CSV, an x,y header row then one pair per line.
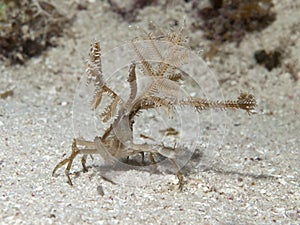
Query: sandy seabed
x,y
252,178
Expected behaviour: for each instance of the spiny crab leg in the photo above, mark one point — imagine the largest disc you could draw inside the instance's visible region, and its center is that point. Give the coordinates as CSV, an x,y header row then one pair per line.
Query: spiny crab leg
x,y
69,160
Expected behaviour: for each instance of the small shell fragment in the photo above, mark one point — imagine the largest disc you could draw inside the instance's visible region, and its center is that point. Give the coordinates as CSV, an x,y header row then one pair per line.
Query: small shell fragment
x,y
100,190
